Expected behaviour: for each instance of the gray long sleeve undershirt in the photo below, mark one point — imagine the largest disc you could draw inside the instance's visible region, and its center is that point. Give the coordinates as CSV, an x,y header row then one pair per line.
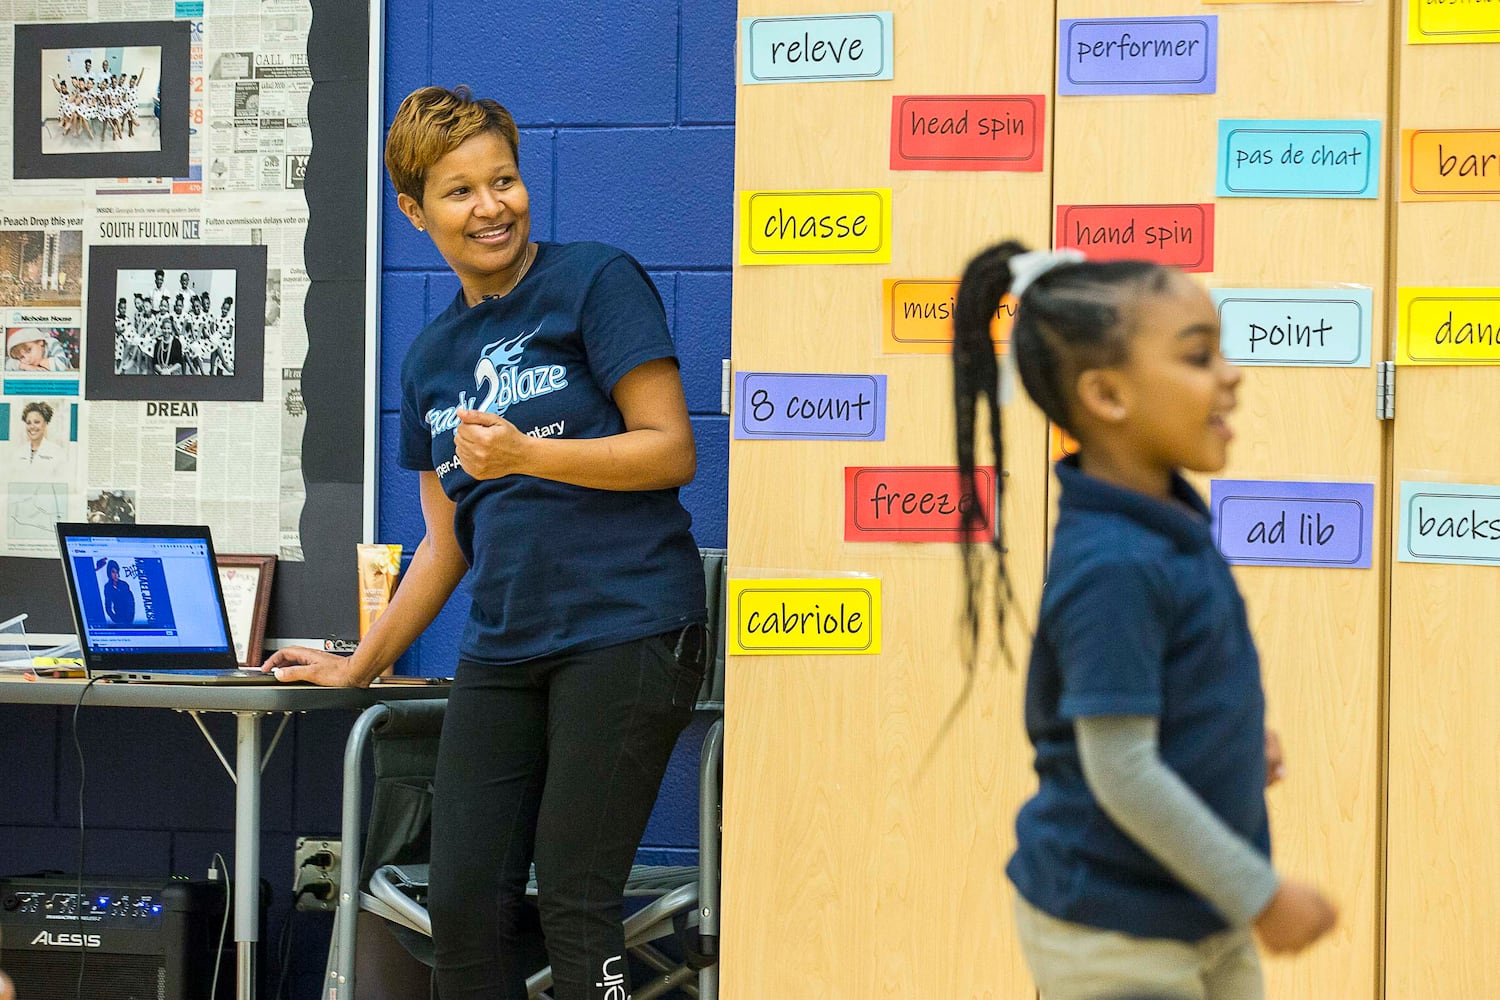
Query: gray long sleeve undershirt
x,y
1155,807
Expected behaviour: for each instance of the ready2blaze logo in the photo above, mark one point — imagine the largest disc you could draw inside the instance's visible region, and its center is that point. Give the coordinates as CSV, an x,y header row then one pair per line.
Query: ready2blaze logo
x,y
499,382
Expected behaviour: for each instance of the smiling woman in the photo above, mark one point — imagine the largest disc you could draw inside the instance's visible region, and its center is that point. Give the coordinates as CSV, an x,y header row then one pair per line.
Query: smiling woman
x,y
544,411
470,199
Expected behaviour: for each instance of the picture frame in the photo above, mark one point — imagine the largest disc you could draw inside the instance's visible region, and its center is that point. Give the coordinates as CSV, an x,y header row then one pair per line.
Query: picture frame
x,y
246,583
112,270
170,76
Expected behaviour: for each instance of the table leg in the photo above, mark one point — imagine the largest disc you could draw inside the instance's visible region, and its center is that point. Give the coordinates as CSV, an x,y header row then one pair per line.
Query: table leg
x,y
246,851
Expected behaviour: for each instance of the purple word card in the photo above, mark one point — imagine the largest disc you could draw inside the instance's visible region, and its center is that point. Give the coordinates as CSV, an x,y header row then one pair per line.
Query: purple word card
x,y
798,406
1138,55
1258,523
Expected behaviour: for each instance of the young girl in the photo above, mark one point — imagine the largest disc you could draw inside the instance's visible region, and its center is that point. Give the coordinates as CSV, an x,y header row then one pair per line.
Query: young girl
x,y
130,101
29,349
64,104
86,107
1143,860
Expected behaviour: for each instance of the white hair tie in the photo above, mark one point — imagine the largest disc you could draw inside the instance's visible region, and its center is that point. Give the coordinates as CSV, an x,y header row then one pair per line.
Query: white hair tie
x,y
1031,265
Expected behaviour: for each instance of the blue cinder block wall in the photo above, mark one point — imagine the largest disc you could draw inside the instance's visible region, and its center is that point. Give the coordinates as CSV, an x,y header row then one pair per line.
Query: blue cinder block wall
x,y
626,111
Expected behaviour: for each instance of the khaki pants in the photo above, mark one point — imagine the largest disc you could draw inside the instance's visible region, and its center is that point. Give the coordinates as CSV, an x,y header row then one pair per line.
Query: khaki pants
x,y
1073,962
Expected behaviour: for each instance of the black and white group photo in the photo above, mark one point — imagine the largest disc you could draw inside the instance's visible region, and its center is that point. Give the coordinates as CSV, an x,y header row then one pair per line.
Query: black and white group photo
x,y
101,99
175,322
172,319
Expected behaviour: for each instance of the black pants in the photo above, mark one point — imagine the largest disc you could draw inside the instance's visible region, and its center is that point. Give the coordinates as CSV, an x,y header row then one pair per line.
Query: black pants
x,y
557,761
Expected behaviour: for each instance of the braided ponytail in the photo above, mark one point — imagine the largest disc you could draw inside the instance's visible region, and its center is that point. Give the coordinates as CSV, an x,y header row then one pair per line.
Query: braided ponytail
x,y
976,378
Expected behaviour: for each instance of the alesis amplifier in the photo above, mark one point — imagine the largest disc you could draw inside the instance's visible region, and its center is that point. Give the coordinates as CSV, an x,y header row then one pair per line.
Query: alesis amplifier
x,y
132,939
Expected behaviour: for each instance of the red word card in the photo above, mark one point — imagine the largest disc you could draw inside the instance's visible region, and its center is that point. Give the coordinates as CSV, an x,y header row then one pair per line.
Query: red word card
x,y
1174,235
912,503
967,133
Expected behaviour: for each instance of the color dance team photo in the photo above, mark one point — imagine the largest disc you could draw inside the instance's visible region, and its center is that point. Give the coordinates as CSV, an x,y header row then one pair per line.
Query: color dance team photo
x,y
101,99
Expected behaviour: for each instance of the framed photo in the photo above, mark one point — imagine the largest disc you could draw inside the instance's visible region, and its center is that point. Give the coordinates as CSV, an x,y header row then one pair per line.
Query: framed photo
x,y
101,100
176,322
246,582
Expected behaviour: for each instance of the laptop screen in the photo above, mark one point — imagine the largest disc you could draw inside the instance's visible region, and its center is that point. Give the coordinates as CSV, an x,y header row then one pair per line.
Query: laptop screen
x,y
143,593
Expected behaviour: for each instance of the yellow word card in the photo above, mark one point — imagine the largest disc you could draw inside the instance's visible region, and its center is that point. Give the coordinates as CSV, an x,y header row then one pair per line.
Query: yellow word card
x,y
816,227
1448,326
1442,22
829,617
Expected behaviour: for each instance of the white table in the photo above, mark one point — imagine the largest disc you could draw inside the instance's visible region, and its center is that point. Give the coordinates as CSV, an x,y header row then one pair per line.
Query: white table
x,y
249,703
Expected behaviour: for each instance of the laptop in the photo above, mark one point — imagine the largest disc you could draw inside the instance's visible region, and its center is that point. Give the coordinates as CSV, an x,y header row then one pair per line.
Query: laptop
x,y
148,606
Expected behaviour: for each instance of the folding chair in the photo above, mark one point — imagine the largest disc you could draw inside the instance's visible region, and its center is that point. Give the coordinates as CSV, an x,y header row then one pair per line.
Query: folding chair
x,y
384,914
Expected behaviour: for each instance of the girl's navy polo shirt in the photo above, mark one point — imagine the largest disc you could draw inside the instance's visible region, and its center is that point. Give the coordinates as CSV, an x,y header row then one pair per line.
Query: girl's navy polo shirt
x,y
1140,616
552,566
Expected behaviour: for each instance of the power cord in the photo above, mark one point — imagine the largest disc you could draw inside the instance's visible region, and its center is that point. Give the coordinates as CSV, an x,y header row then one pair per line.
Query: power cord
x,y
322,890
79,904
223,927
319,890
284,954
83,950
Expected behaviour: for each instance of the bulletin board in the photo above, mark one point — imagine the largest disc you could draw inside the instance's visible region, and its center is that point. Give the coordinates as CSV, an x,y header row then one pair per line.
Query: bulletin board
x,y
1340,222
189,244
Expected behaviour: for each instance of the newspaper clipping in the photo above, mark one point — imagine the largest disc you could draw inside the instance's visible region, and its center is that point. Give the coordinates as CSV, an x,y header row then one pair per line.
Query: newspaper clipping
x,y
41,282
235,466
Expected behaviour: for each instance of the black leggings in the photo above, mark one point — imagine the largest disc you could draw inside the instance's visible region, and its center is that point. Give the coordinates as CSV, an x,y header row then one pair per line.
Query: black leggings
x,y
556,761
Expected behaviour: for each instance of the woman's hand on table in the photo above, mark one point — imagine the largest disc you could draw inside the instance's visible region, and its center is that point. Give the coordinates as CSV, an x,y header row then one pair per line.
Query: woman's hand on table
x,y
298,663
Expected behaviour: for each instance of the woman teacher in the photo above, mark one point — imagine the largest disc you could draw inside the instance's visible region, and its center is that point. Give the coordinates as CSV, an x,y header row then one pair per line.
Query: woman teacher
x,y
544,412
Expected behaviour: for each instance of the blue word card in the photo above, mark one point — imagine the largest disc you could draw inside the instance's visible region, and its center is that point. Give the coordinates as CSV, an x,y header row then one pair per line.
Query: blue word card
x,y
1138,55
1295,327
1293,158
1449,523
1287,523
817,48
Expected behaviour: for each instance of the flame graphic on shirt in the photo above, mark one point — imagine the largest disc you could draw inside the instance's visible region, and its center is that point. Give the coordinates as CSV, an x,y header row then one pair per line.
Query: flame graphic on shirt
x,y
503,354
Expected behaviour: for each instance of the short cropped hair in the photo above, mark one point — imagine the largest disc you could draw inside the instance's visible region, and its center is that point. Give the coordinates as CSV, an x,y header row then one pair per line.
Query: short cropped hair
x,y
434,121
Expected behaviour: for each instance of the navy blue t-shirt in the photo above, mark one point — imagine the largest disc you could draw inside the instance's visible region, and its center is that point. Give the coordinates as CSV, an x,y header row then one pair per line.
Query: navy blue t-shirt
x,y
552,566
1139,616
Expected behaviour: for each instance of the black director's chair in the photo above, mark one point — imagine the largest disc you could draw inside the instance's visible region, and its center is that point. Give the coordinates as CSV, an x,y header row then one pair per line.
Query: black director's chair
x,y
382,933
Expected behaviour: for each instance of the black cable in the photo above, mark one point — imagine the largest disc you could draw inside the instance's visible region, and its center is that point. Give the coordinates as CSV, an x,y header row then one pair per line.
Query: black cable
x,y
83,949
285,944
284,952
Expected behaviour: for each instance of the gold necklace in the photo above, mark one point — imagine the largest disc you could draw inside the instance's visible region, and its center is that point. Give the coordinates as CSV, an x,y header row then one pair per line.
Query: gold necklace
x,y
525,266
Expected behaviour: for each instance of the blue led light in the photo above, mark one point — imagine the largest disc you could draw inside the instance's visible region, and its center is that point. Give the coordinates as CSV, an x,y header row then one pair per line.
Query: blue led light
x,y
103,901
